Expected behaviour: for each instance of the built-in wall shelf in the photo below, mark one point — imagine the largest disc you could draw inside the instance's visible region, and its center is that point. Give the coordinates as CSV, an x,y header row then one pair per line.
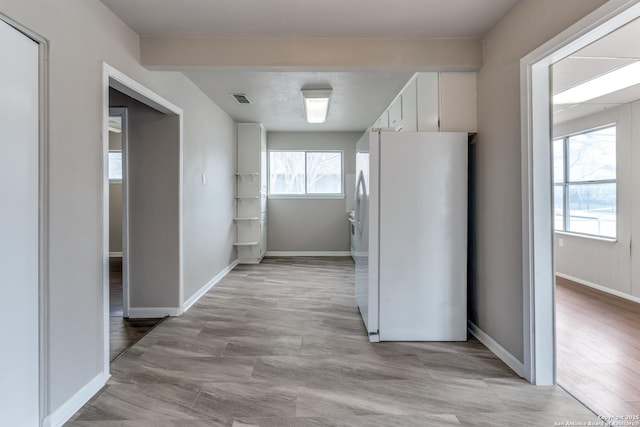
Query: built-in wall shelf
x,y
250,217
246,243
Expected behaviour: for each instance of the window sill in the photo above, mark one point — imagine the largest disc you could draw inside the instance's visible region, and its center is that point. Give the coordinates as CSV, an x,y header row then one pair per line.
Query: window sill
x,y
587,236
307,196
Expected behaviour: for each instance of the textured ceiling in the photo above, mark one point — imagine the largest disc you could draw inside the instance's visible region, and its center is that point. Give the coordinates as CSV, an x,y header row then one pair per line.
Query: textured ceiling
x,y
359,96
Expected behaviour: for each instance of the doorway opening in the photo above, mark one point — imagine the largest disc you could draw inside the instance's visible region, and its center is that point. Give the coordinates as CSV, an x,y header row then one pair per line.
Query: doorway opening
x,y
142,145
123,330
596,95
539,188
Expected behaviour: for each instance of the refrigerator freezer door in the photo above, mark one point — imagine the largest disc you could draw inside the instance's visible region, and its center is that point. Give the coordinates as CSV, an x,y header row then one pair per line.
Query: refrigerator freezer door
x,y
423,237
365,244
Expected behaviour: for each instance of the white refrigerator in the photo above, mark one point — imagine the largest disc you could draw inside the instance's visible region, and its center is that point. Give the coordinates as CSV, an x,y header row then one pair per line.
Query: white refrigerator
x,y
410,245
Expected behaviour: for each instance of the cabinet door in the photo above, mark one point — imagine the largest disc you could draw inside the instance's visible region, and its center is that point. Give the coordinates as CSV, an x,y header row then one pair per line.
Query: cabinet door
x,y
263,161
383,121
409,107
249,139
263,238
427,102
395,113
458,102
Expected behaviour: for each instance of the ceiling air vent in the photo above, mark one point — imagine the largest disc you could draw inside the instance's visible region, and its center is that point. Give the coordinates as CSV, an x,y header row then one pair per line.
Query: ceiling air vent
x,y
241,98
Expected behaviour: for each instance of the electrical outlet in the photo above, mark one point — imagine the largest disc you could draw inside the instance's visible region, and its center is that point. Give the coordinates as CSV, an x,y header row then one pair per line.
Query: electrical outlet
x,y
561,243
204,179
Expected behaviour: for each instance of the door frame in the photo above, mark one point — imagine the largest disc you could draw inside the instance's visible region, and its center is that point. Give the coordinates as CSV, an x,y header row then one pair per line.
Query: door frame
x,y
43,217
113,78
124,124
537,190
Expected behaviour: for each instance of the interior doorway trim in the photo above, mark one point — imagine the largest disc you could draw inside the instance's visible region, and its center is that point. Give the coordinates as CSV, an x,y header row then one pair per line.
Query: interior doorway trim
x,y
113,78
124,126
537,195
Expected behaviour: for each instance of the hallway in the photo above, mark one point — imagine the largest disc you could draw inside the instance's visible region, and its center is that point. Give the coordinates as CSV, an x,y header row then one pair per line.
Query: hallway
x,y
282,344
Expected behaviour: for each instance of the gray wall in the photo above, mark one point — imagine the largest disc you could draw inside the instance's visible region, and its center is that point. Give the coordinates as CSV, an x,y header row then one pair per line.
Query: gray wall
x,y
495,296
154,200
115,217
296,225
115,201
83,34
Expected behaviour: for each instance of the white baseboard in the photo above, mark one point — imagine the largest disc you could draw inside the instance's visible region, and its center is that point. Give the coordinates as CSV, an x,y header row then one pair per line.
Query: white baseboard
x,y
195,297
115,254
77,401
308,253
516,365
600,287
153,312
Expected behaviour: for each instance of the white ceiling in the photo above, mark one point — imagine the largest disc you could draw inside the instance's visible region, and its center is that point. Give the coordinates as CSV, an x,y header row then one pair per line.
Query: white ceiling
x,y
307,18
609,53
358,96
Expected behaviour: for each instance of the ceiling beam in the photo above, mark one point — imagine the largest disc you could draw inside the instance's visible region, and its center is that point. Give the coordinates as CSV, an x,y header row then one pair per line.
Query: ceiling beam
x,y
167,53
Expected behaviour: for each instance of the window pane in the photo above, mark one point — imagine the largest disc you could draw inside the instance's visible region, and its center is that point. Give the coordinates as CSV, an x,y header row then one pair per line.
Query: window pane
x,y
115,165
324,173
558,160
558,207
592,155
286,172
592,209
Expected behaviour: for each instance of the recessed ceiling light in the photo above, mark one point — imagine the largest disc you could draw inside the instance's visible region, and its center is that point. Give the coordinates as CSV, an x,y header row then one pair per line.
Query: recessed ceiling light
x,y
618,79
316,104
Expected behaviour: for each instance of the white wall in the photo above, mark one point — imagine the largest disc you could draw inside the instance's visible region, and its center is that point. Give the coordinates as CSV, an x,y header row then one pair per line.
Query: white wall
x,y
495,294
596,261
82,34
312,225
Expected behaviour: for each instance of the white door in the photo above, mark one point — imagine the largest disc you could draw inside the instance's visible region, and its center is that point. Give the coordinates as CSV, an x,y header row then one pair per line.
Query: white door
x,y
19,359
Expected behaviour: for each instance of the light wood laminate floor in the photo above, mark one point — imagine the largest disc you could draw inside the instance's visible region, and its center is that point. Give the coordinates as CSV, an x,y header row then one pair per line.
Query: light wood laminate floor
x,y
123,333
598,348
282,344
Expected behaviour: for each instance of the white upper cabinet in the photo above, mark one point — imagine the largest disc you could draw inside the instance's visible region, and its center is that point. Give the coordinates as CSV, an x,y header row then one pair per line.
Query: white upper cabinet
x,y
428,105
395,113
383,120
410,107
458,102
433,102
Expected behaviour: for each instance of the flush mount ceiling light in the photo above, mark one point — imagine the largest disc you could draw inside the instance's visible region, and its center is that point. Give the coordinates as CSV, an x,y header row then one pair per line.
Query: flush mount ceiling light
x,y
316,104
618,79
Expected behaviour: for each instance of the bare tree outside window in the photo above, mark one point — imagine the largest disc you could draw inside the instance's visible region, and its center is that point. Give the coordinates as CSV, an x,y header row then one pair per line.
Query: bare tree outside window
x,y
305,172
585,199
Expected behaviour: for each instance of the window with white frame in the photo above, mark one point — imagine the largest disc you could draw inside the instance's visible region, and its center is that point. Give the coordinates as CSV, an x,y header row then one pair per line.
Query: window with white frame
x,y
584,179
305,173
115,165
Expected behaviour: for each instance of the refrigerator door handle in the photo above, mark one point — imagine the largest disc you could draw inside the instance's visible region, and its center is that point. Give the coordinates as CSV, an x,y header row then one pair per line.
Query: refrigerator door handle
x,y
361,192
